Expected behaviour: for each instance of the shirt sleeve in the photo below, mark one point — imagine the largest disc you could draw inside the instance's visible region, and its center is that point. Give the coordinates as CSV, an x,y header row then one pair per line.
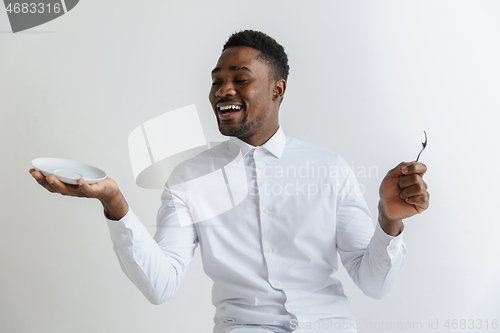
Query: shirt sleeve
x,y
157,266
372,258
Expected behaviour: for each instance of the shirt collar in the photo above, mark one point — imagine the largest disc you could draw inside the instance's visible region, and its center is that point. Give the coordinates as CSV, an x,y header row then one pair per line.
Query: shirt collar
x,y
275,145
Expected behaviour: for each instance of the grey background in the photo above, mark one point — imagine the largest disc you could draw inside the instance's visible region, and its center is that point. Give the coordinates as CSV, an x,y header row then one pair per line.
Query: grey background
x,y
366,78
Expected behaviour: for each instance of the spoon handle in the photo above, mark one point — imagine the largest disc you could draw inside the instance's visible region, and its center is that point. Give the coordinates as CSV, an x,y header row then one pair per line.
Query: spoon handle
x,y
419,154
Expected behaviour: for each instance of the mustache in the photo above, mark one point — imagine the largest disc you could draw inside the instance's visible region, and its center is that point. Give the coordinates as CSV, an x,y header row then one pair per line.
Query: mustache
x,y
228,100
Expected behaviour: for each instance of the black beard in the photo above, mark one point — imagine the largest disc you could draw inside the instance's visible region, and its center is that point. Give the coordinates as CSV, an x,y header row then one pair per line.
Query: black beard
x,y
244,129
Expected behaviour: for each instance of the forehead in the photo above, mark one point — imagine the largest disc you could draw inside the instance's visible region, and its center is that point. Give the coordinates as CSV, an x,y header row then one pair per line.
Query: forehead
x,y
235,58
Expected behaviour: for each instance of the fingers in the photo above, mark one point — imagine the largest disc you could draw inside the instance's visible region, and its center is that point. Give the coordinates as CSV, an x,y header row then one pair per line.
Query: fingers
x,y
413,187
406,181
410,180
421,202
408,168
99,190
52,184
65,189
85,187
40,178
415,167
414,191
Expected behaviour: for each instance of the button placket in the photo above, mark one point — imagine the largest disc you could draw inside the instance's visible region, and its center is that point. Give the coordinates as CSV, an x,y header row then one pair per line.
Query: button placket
x,y
263,211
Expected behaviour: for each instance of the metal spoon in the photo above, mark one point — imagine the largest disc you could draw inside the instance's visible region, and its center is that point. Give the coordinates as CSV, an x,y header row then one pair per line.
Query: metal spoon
x,y
424,144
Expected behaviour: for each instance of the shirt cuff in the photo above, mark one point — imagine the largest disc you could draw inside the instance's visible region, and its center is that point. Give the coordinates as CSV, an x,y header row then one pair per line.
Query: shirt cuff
x,y
125,230
391,244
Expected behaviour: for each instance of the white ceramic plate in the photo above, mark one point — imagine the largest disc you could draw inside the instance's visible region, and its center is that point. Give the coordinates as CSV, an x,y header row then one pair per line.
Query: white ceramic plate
x,y
68,171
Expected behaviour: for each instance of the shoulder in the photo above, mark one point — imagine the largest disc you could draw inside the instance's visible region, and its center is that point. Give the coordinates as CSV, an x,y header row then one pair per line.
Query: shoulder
x,y
308,150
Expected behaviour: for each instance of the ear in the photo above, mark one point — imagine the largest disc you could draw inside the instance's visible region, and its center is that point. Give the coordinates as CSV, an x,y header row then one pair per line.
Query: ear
x,y
279,89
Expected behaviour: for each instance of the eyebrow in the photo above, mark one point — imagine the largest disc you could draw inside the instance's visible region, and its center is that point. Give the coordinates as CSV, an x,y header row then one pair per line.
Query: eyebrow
x,y
232,68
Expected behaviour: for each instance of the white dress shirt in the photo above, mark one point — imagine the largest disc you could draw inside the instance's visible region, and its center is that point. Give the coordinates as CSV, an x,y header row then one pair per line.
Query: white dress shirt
x,y
269,242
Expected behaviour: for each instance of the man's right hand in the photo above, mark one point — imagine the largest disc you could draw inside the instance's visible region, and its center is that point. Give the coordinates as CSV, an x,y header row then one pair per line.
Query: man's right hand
x,y
106,191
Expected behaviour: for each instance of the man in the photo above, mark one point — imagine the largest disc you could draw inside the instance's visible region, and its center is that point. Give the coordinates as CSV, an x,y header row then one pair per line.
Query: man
x,y
272,255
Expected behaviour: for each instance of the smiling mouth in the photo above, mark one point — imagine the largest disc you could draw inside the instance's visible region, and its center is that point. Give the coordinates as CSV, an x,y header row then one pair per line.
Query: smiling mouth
x,y
227,110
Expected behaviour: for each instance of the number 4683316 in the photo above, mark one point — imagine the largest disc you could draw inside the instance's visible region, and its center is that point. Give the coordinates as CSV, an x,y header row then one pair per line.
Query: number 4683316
x,y
471,324
33,8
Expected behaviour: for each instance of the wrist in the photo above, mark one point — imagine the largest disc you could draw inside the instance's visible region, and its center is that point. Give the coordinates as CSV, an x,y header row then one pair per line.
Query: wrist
x,y
115,207
390,226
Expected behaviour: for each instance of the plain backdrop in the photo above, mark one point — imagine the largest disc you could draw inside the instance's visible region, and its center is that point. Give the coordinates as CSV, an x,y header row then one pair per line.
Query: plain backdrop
x,y
366,78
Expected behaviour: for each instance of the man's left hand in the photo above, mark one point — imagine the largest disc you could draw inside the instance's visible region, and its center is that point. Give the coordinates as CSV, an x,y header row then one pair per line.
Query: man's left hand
x,y
403,193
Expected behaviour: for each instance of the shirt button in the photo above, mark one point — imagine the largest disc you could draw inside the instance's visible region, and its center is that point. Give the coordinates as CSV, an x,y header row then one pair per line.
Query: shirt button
x,y
291,306
276,284
269,249
126,232
265,211
136,264
391,248
390,272
256,150
261,174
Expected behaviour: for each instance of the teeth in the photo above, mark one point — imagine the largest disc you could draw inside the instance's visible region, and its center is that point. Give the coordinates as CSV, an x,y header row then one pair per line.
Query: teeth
x,y
229,107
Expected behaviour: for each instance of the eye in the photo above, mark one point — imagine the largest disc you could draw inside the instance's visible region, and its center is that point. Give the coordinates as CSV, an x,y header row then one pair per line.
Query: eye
x,y
215,83
240,81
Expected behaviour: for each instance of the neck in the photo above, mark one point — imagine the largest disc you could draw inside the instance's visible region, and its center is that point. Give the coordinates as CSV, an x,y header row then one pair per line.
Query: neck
x,y
260,138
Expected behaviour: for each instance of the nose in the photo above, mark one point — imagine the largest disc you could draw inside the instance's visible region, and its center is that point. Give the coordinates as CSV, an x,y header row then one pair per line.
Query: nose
x,y
226,89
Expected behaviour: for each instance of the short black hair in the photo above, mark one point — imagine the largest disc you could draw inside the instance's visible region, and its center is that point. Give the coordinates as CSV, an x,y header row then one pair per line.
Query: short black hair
x,y
271,52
